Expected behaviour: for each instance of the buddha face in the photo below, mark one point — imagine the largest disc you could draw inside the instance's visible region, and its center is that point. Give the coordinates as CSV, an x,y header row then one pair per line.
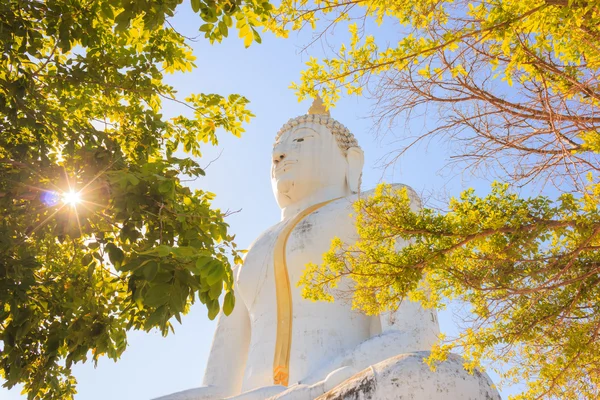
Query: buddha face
x,y
306,159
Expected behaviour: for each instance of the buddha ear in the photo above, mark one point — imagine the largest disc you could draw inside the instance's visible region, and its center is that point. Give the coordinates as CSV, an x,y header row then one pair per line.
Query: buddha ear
x,y
355,159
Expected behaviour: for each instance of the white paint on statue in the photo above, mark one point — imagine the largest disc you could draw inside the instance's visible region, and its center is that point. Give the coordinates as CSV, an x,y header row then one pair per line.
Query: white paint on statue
x,y
315,160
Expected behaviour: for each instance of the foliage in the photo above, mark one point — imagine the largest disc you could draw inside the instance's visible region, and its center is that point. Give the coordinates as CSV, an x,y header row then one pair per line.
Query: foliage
x,y
516,86
81,89
529,268
515,82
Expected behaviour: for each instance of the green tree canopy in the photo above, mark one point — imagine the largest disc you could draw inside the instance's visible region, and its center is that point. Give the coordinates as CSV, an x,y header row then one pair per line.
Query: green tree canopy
x,y
98,235
516,82
517,88
529,268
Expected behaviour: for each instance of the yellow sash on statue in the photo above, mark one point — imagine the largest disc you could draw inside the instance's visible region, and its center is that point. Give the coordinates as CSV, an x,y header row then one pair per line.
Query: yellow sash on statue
x,y
283,343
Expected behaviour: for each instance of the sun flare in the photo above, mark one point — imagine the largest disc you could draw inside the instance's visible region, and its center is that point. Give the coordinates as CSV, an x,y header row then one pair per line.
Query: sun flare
x,y
71,198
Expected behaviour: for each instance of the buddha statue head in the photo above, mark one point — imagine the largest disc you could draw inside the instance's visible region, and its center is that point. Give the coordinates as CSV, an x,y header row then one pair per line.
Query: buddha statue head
x,y
315,158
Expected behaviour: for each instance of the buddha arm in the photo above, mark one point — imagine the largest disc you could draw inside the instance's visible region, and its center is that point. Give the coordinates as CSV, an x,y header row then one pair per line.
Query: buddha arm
x,y
411,328
410,318
229,351
419,326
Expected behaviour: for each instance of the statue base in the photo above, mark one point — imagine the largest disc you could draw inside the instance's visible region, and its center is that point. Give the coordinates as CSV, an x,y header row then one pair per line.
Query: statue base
x,y
402,377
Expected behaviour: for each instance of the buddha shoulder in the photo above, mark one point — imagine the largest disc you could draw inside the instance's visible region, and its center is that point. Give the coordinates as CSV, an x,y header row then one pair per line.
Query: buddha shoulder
x,y
337,218
337,208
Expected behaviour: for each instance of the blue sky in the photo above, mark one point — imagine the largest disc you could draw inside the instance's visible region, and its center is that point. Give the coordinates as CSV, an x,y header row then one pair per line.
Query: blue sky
x,y
153,365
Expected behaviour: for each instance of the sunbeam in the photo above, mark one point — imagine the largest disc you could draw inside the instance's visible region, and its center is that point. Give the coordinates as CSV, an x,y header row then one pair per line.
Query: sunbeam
x,y
71,198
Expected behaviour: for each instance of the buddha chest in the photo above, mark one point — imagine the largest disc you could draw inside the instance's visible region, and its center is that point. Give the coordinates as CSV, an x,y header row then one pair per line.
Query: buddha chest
x,y
319,331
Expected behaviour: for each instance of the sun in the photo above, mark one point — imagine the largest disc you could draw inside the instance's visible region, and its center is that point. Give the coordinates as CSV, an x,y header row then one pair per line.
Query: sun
x,y
71,198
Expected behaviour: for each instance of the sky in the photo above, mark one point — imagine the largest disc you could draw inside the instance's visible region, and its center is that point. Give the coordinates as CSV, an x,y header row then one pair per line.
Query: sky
x,y
152,365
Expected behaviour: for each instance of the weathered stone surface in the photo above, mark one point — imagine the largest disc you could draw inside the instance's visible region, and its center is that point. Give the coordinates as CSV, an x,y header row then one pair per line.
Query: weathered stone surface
x,y
407,377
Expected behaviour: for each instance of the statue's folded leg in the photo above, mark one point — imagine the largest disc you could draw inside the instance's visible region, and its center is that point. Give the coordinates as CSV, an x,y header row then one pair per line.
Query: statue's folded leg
x,y
214,393
407,376
309,392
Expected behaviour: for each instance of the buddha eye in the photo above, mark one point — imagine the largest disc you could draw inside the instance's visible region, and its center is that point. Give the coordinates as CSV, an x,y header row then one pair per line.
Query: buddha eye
x,y
299,140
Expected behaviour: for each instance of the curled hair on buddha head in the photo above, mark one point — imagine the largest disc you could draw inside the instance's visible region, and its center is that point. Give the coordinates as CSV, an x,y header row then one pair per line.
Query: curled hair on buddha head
x,y
317,113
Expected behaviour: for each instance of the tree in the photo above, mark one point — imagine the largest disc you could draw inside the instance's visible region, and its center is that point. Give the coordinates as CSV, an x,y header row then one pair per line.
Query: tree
x,y
528,268
98,234
515,82
516,85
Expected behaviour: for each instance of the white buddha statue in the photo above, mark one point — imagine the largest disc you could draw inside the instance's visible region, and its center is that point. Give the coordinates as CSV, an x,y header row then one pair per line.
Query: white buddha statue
x,y
275,344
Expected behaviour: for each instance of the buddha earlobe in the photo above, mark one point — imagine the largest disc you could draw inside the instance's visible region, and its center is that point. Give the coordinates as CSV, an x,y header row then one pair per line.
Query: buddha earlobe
x,y
355,159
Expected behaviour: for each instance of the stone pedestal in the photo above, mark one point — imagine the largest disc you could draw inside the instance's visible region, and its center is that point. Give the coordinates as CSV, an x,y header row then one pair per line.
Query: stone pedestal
x,y
404,377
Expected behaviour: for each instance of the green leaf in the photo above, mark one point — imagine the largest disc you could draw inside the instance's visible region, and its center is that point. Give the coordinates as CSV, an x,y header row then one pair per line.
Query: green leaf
x,y
156,318
157,295
184,251
200,264
90,270
150,270
178,298
209,267
123,20
115,255
223,28
87,259
215,274
206,27
166,187
215,291
228,303
161,250
213,309
132,265
196,5
256,36
107,10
